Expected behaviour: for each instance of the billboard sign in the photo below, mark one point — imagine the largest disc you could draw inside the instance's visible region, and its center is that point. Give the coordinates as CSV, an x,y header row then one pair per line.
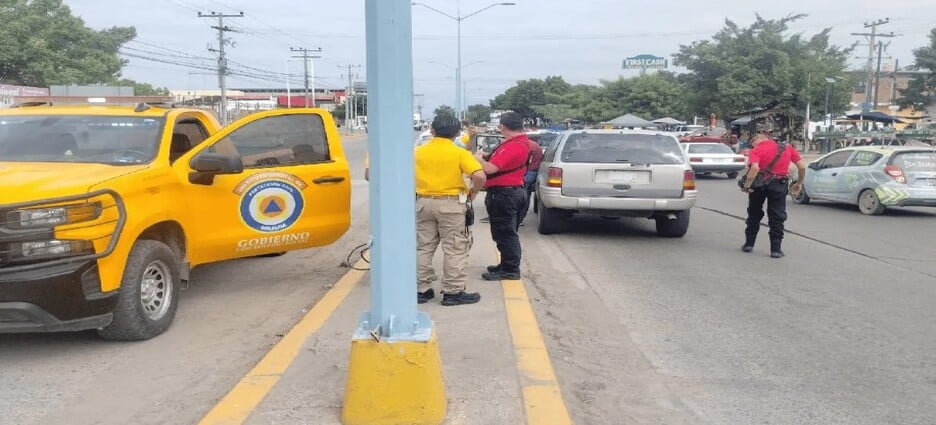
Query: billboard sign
x,y
8,92
646,62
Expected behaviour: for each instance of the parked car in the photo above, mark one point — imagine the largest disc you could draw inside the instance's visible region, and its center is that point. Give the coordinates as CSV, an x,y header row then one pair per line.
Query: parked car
x,y
488,142
709,158
616,173
543,138
873,178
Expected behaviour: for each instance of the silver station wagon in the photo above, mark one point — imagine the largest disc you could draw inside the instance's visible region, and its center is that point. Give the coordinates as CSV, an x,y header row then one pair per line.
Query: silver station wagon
x,y
616,173
873,178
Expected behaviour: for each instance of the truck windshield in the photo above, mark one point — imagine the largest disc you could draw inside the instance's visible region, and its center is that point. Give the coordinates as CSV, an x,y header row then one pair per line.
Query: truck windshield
x,y
114,140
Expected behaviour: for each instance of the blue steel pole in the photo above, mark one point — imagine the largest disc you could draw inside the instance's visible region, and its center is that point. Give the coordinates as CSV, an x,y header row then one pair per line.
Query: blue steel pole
x,y
393,314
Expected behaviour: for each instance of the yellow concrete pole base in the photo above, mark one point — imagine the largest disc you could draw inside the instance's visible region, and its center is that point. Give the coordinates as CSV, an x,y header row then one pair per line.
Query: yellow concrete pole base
x,y
394,383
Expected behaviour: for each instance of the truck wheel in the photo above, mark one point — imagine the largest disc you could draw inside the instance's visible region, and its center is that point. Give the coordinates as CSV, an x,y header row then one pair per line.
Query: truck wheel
x,y
673,228
149,293
549,219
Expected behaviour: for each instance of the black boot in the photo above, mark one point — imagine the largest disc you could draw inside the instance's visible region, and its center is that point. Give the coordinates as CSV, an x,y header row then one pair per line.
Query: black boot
x,y
775,251
424,297
460,298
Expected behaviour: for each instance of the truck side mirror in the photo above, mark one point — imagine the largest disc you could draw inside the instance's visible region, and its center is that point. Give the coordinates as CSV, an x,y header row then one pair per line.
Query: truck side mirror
x,y
208,165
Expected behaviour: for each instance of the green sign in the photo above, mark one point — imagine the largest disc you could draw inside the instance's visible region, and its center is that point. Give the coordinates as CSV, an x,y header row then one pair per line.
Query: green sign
x,y
645,62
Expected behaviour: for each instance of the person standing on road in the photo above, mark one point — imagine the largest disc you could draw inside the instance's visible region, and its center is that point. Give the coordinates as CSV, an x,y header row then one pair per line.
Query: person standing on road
x,y
768,153
441,204
506,194
529,178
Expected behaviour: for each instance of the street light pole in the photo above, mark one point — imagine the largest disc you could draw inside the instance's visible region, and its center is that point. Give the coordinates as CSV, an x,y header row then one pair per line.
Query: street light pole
x,y
458,18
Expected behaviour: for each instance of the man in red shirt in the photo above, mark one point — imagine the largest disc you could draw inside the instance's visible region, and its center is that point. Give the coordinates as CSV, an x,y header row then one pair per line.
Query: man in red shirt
x,y
506,194
765,151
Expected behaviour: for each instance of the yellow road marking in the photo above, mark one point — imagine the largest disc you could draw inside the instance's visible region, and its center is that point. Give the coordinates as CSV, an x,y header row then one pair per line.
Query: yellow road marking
x,y
542,397
244,398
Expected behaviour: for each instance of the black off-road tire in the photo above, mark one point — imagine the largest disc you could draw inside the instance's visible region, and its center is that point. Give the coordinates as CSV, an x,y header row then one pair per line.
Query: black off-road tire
x,y
675,228
549,220
157,267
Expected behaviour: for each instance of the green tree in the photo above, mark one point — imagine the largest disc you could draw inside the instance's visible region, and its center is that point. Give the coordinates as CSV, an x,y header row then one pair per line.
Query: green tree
x,y
444,111
478,113
743,69
360,101
921,90
42,44
142,89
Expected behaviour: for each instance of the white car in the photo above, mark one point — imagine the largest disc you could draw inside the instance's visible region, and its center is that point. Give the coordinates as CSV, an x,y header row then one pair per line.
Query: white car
x,y
707,158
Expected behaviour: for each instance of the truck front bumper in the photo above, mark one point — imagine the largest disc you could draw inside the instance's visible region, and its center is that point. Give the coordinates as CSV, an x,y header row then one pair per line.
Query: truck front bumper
x,y
63,297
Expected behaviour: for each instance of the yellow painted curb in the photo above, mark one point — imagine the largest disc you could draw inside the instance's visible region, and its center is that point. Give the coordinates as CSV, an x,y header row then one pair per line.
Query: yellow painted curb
x,y
244,398
542,397
394,383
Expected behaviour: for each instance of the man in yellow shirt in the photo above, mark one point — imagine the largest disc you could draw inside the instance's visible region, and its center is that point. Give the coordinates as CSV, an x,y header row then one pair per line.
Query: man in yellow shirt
x,y
441,203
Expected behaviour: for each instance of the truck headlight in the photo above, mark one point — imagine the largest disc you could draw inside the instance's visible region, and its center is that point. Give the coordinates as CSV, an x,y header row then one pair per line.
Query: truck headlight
x,y
52,248
53,216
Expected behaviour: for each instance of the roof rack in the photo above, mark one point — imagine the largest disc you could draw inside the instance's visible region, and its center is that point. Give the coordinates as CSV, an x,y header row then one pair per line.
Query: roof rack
x,y
141,102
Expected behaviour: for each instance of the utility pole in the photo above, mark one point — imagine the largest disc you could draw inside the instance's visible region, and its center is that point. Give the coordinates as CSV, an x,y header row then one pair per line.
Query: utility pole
x,y
222,59
306,57
894,81
877,74
349,96
871,44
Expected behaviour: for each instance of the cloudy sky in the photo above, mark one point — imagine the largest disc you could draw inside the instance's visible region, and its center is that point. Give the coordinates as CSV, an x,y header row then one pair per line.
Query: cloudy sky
x,y
584,40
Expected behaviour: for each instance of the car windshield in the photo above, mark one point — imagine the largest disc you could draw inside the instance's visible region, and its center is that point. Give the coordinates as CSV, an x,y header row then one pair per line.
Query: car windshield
x,y
79,138
543,139
621,148
710,148
916,161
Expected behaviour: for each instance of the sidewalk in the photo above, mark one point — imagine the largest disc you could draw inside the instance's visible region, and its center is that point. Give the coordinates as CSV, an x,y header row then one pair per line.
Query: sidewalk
x,y
482,379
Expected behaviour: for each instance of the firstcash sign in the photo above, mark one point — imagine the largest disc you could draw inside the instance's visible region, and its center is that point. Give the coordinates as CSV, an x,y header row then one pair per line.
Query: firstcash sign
x,y
646,62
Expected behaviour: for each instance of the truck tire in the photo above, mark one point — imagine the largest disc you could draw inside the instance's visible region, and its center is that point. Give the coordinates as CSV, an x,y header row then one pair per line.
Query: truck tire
x,y
149,293
673,228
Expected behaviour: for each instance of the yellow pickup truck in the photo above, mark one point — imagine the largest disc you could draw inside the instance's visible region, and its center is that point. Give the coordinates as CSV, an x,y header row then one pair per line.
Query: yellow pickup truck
x,y
106,206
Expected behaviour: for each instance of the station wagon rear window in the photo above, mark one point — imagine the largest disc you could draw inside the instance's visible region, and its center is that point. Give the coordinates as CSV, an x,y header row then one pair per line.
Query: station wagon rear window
x,y
710,148
916,161
621,148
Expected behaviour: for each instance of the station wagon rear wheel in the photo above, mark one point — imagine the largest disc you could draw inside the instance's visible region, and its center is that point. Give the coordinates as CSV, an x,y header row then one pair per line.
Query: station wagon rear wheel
x,y
148,295
673,227
869,203
549,220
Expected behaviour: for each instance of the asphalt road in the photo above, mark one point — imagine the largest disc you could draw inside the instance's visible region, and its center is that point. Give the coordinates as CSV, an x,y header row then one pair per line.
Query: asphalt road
x,y
646,330
641,329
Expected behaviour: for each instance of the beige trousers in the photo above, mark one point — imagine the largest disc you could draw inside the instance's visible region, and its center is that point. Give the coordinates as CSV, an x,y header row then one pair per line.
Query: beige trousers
x,y
441,221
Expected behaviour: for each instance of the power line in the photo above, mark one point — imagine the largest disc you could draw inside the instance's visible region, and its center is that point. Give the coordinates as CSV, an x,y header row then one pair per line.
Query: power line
x,y
222,60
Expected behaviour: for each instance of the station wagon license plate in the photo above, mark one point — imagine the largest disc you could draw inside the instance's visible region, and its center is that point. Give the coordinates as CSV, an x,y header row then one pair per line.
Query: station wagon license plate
x,y
627,176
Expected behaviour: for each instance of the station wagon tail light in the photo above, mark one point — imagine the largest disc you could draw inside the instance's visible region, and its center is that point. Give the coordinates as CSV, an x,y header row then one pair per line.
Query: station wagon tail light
x,y
554,178
739,159
896,173
695,159
688,182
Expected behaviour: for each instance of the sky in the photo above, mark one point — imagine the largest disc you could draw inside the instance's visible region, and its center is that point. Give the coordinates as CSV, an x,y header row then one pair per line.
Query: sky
x,y
584,41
